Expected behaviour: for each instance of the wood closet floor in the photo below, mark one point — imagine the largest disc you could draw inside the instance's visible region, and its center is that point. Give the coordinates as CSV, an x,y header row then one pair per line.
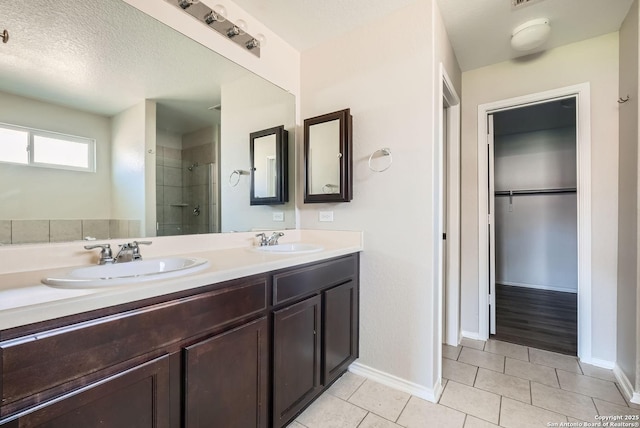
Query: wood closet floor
x,y
539,318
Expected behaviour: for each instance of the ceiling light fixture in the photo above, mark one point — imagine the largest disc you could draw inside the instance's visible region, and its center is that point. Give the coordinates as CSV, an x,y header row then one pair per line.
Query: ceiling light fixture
x,y
530,35
216,19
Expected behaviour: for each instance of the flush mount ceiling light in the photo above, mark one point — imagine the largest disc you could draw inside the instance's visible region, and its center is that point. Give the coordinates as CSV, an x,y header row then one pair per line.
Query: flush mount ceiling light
x,y
530,35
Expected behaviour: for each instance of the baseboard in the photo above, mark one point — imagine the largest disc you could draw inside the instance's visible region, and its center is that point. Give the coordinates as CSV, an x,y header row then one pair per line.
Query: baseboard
x,y
626,386
538,287
429,394
472,335
605,364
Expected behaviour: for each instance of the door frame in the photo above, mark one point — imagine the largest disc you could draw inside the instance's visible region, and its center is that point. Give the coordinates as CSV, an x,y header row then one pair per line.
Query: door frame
x,y
450,295
582,94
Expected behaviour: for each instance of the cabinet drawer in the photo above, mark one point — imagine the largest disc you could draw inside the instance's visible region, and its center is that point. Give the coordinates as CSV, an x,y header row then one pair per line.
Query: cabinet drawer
x,y
55,361
295,283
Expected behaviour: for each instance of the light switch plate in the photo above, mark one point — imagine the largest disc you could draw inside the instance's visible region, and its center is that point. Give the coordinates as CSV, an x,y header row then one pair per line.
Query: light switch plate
x,y
278,216
325,216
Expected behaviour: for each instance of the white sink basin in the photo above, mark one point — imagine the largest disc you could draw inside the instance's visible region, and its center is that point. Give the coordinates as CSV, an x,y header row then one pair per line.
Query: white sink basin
x,y
293,248
127,273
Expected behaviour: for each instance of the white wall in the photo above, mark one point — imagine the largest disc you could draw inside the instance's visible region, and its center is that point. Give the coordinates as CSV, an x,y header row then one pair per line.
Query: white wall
x,y
44,193
250,105
595,61
133,132
628,354
387,79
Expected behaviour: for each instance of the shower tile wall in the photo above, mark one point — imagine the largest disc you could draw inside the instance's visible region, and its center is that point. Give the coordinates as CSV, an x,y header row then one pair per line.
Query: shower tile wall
x,y
169,213
196,187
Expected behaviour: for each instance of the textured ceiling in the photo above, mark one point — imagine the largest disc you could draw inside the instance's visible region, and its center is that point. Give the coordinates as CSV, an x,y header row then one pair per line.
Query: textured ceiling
x,y
105,56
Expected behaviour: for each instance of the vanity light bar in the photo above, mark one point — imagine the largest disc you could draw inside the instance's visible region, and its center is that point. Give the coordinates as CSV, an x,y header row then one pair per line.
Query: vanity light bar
x,y
236,32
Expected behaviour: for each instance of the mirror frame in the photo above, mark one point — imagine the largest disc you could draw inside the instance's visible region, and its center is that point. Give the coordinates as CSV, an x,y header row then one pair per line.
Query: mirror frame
x,y
282,155
346,159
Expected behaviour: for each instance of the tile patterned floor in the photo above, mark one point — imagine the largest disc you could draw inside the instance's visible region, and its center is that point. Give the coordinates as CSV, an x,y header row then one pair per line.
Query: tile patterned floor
x,y
487,384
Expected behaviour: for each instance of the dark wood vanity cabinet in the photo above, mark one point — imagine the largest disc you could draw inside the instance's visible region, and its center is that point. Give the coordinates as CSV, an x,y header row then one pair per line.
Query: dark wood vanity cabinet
x,y
315,339
246,353
226,379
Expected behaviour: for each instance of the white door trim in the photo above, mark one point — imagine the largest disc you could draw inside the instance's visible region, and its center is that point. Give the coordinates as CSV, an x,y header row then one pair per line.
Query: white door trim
x,y
449,96
582,93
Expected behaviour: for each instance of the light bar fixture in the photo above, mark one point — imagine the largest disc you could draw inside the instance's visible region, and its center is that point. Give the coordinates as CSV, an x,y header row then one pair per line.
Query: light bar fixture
x,y
216,19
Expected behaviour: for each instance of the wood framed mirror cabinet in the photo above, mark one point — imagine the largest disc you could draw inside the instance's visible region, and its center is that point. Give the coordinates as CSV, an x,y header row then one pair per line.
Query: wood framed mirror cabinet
x,y
269,179
328,159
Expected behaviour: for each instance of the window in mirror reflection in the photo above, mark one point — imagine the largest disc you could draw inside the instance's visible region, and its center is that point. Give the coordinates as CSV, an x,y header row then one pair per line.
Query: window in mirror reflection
x,y
41,148
324,155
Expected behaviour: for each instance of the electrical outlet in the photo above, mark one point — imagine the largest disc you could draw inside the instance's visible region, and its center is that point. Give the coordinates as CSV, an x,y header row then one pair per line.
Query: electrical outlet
x,y
325,216
278,216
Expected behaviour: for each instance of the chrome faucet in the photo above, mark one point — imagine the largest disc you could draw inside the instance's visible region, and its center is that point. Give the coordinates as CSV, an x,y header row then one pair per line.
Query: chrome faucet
x,y
271,240
130,251
106,255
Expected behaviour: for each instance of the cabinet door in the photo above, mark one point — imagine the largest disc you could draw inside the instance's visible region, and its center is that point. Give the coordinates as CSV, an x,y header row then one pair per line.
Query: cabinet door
x,y
226,382
340,330
138,397
296,365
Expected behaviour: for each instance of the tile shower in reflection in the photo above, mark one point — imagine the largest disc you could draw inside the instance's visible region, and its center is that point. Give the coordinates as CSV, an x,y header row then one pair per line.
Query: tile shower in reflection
x,y
186,183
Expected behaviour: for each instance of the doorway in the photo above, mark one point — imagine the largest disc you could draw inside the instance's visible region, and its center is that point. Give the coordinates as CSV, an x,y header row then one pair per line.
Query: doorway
x,y
533,264
581,92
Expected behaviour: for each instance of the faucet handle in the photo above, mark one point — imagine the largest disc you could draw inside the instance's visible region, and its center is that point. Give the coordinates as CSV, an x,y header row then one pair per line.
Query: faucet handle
x,y
263,239
273,239
106,255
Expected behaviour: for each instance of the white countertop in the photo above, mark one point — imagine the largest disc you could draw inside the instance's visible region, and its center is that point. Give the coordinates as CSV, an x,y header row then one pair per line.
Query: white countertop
x,y
25,300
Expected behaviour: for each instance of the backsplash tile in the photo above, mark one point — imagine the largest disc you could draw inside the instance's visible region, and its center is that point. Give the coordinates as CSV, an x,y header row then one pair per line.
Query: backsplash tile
x,y
29,231
65,230
5,232
98,229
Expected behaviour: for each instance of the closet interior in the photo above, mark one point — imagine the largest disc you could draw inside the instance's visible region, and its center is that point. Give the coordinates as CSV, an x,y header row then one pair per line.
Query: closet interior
x,y
535,217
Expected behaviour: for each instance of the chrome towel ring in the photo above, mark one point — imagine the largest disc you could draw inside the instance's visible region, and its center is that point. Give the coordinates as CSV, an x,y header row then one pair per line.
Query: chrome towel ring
x,y
385,151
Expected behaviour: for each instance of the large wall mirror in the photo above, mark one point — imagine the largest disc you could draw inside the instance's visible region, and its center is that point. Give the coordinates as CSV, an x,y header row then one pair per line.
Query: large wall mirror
x,y
269,159
169,117
328,158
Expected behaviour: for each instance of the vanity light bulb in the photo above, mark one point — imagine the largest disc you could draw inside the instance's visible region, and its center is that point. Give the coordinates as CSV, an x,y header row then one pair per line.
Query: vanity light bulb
x,y
262,40
242,26
221,11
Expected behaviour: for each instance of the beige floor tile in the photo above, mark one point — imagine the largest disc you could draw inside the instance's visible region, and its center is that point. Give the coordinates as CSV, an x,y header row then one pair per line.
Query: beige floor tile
x,y
568,403
331,412
375,421
460,372
487,360
482,404
515,414
590,386
473,422
511,350
541,374
609,409
346,385
505,385
295,424
553,359
630,404
472,343
380,399
451,352
420,413
599,372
